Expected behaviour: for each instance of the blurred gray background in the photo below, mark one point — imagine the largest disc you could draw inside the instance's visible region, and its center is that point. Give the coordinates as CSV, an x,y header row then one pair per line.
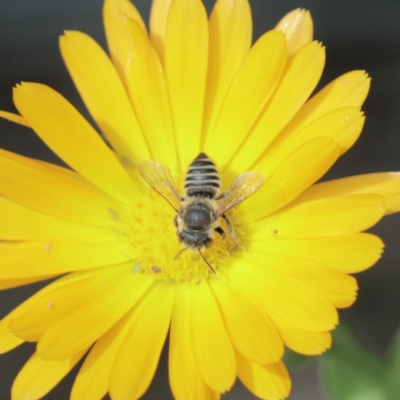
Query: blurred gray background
x,y
359,34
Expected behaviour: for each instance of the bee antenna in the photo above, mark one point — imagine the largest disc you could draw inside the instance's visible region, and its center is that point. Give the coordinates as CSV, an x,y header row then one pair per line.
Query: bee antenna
x,y
202,256
180,252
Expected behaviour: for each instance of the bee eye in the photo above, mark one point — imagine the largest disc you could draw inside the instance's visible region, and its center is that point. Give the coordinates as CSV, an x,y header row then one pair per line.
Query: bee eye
x,y
197,217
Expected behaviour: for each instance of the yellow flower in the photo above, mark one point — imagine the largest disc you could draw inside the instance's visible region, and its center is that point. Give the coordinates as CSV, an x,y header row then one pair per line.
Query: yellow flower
x,y
193,85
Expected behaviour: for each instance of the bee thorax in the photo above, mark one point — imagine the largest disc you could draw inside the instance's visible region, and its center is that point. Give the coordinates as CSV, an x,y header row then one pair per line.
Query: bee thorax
x,y
197,217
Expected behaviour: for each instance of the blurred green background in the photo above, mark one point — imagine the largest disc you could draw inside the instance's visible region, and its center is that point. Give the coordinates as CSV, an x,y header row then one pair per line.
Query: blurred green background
x,y
358,35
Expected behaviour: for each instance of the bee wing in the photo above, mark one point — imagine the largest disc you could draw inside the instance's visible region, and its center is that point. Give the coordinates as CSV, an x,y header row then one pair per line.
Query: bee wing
x,y
160,179
242,187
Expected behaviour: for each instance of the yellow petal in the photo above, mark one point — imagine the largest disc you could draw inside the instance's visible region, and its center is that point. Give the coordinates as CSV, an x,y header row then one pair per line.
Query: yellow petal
x,y
387,184
112,294
337,287
343,125
292,176
53,192
230,28
215,396
115,13
249,327
7,339
51,257
71,137
36,314
299,80
248,93
298,29
148,92
158,25
284,295
22,223
79,180
141,349
104,95
39,376
348,90
12,283
65,173
184,375
322,218
349,253
270,382
92,381
186,52
14,118
300,340
211,344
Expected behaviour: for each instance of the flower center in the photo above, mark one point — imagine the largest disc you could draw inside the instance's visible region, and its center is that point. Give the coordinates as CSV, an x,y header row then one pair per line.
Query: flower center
x,y
158,251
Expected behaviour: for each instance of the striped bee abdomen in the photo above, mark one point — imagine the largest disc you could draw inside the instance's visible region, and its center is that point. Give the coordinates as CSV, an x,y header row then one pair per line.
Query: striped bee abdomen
x,y
202,178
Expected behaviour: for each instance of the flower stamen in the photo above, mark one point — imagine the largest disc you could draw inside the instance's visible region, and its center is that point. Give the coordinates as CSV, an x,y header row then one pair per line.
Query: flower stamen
x,y
156,248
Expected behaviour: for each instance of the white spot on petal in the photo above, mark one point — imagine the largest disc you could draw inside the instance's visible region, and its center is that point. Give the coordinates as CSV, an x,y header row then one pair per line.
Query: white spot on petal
x,y
137,268
47,247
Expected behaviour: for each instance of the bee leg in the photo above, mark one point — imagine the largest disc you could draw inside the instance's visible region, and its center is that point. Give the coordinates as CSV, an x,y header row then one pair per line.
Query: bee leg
x,y
231,232
220,231
176,220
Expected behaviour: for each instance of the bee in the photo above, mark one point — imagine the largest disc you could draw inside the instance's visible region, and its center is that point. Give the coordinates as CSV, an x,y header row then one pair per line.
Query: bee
x,y
200,209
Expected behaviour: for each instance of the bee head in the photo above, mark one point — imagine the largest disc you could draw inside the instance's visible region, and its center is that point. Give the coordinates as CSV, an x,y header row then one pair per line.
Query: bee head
x,y
197,217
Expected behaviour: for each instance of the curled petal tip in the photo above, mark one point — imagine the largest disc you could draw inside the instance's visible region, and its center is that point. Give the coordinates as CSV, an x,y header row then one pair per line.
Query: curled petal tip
x,y
297,25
